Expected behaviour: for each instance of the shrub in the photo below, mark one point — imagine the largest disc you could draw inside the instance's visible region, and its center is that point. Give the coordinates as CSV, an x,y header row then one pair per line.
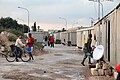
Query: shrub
x,y
39,45
16,32
1,30
12,38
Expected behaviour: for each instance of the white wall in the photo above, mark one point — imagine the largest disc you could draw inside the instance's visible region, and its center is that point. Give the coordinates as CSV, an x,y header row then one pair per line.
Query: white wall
x,y
38,36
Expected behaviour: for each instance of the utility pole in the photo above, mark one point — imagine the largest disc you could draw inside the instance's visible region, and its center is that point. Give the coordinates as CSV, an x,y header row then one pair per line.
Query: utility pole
x,y
99,3
28,16
65,21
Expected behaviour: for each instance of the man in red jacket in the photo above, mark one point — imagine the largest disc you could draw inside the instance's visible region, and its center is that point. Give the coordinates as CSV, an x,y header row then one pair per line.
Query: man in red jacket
x,y
52,41
30,42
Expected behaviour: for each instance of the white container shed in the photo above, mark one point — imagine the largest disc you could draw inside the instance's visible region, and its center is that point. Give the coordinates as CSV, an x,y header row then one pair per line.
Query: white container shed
x,y
38,36
82,35
72,37
57,36
64,37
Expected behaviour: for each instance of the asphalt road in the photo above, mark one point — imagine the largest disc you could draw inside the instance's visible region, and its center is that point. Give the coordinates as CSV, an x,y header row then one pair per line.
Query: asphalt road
x,y
60,63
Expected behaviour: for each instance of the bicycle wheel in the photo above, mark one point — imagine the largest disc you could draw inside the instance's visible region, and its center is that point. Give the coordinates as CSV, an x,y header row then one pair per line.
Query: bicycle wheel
x,y
10,56
25,56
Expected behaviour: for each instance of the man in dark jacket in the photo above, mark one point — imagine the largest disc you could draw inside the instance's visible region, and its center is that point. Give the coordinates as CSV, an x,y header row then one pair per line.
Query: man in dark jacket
x,y
87,50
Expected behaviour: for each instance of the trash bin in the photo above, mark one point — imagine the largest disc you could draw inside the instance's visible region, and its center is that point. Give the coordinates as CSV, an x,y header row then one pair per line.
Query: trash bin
x,y
69,43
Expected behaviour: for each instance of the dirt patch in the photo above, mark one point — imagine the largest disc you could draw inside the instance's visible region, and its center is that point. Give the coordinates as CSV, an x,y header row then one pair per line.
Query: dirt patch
x,y
22,76
58,54
101,78
37,52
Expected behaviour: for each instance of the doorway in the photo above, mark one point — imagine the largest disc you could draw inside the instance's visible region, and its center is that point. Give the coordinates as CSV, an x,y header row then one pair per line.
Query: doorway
x,y
108,39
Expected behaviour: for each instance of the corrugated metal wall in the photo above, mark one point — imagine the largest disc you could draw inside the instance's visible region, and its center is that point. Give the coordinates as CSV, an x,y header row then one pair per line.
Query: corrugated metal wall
x,y
79,38
57,36
114,19
118,36
73,38
64,35
38,36
82,35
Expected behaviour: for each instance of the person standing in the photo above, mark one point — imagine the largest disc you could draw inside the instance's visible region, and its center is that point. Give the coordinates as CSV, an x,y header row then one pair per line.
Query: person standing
x,y
52,41
46,40
19,45
30,42
87,50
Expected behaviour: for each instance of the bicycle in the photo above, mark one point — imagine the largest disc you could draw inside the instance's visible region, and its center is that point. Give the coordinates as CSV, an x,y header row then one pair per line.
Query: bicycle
x,y
13,54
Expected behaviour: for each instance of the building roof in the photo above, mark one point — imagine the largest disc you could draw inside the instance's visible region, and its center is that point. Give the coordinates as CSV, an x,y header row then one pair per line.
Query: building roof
x,y
85,29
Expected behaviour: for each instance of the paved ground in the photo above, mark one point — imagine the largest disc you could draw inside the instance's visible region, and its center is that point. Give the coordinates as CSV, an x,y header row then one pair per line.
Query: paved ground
x,y
61,63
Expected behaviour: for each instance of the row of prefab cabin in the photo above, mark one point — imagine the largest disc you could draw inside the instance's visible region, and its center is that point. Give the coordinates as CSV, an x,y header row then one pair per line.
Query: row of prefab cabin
x,y
75,37
105,32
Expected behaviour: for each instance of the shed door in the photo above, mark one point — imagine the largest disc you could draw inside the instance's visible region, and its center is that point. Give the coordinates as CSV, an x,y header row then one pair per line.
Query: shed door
x,y
108,39
69,37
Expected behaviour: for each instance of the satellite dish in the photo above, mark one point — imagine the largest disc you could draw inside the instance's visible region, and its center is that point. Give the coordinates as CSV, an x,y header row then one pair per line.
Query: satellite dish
x,y
98,52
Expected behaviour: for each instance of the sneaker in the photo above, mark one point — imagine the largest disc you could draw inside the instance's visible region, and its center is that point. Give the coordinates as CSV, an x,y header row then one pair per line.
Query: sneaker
x,y
29,59
32,58
83,64
17,60
89,63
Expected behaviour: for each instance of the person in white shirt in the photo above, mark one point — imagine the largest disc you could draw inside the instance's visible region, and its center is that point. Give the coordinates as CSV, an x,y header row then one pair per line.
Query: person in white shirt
x,y
19,45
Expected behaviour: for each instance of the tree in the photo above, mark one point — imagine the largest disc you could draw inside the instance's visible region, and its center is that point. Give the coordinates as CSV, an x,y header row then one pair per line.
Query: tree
x,y
63,29
38,27
9,23
34,27
26,28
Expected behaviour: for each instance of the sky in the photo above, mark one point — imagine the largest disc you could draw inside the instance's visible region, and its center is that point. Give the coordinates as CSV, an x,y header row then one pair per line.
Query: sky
x,y
46,13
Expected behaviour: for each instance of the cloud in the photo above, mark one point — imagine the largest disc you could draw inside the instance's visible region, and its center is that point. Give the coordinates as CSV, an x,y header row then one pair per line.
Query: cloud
x,y
49,11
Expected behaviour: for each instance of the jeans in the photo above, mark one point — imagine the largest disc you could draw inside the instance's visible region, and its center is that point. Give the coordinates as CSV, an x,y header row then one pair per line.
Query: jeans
x,y
85,57
118,76
52,44
19,52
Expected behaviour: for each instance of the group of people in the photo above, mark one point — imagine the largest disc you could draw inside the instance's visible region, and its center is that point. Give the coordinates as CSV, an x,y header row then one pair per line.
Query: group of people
x,y
49,41
29,44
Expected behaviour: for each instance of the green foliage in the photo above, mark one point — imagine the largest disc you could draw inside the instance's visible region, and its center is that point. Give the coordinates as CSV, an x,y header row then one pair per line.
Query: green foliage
x,y
63,29
34,27
12,38
16,32
1,30
38,44
9,23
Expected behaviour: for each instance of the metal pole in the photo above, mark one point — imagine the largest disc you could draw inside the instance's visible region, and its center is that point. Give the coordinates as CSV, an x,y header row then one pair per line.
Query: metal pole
x,y
98,20
102,8
98,9
28,15
65,21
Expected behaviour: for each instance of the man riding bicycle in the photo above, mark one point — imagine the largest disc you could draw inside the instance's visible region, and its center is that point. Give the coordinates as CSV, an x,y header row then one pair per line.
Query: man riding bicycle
x,y
19,45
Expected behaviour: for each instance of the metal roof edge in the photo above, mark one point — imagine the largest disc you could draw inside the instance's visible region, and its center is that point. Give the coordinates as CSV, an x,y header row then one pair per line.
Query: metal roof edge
x,y
108,14
85,29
